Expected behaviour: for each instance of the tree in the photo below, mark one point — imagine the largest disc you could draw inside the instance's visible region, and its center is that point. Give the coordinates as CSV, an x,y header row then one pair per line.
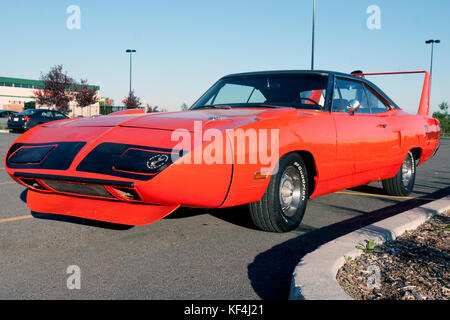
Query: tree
x,y
56,89
443,117
85,95
151,109
132,102
184,107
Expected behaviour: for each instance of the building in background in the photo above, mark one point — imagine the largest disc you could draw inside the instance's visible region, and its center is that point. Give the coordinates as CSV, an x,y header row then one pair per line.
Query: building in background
x,y
19,94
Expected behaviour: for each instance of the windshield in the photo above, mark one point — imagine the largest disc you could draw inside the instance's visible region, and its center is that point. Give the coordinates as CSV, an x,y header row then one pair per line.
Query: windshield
x,y
302,91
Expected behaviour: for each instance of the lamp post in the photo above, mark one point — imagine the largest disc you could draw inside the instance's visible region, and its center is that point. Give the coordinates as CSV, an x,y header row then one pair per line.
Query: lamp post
x,y
130,51
432,53
313,31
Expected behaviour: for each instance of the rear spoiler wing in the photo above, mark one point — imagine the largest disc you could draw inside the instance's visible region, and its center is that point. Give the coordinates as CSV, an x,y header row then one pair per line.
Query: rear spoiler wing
x,y
424,106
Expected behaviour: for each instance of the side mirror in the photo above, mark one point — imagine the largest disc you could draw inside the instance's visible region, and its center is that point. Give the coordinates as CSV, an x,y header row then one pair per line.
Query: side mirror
x,y
353,106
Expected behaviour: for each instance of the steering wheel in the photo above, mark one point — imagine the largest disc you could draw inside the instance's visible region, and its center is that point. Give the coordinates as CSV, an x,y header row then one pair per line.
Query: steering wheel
x,y
311,100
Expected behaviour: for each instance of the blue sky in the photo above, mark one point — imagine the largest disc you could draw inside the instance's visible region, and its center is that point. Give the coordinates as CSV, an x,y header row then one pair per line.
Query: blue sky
x,y
183,47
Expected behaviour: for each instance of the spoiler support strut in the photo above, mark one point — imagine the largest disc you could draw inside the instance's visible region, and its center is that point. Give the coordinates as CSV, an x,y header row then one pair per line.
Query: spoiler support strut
x,y
424,106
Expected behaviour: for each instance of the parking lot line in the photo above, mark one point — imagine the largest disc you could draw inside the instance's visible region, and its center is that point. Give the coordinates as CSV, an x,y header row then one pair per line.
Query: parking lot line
x,y
15,218
372,195
384,196
9,182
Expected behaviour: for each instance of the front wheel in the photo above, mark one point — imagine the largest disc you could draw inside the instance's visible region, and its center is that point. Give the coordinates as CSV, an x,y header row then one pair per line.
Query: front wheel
x,y
403,182
283,205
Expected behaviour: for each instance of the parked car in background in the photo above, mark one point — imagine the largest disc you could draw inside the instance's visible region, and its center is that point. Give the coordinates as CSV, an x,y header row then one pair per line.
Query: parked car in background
x,y
29,118
4,114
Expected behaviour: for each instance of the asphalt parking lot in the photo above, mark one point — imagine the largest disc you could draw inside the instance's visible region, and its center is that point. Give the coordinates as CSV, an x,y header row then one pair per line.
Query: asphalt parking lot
x,y
192,254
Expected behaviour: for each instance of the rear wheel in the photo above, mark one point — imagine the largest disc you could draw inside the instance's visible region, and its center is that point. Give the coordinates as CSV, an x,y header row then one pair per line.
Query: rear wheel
x,y
403,182
283,205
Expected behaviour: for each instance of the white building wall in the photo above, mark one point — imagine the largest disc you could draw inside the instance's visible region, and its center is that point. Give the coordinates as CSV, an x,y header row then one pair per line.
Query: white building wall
x,y
14,95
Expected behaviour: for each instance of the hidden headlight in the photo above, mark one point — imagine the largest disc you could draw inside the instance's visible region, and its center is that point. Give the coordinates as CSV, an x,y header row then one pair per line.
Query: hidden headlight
x,y
30,154
143,161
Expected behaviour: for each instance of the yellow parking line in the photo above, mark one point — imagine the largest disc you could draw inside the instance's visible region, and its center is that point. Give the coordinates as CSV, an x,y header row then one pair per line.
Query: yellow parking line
x,y
9,182
372,195
384,196
15,218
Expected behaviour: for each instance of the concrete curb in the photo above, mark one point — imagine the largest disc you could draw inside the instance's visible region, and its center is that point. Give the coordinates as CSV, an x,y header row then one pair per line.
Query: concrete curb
x,y
314,278
4,131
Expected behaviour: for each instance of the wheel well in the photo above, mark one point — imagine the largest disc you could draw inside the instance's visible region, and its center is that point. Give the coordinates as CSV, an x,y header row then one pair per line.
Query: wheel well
x,y
417,152
311,169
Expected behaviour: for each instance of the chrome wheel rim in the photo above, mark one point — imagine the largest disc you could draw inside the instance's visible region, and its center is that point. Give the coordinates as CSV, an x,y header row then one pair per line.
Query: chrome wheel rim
x,y
290,191
407,171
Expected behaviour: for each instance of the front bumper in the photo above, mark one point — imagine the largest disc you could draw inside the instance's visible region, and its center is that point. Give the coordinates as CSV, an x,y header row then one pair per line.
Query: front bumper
x,y
96,209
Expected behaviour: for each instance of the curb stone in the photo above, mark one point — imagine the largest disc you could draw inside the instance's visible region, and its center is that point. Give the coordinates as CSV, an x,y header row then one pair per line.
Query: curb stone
x,y
314,278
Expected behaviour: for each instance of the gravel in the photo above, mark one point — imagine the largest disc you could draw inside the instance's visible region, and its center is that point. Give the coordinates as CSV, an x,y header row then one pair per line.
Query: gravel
x,y
416,266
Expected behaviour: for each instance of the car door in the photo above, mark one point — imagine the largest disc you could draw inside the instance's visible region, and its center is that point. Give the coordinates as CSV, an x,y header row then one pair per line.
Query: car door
x,y
360,135
35,118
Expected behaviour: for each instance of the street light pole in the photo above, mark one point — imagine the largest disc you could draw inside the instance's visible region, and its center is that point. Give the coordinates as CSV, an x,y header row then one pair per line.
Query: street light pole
x,y
313,34
432,53
130,51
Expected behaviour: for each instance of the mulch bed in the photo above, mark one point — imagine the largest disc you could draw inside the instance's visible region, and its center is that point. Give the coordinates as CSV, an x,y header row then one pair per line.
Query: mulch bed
x,y
416,266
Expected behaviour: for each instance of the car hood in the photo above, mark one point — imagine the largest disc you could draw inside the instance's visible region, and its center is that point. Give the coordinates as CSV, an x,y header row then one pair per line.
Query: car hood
x,y
192,120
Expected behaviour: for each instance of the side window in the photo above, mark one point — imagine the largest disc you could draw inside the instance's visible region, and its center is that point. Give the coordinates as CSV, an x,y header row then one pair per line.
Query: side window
x,y
376,105
46,114
352,90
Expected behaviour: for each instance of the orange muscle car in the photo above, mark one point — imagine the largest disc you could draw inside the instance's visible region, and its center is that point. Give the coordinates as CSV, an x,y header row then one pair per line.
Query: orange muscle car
x,y
268,139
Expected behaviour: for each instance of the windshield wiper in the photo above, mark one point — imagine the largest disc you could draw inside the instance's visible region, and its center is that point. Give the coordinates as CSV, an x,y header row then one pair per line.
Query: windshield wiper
x,y
260,106
256,106
211,106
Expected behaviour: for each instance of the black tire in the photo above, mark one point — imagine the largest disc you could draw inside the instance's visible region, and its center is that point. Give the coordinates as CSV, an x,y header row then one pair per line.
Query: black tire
x,y
274,212
403,183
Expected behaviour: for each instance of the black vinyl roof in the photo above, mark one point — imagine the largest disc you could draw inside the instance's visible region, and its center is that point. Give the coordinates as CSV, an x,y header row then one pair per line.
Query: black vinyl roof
x,y
286,72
